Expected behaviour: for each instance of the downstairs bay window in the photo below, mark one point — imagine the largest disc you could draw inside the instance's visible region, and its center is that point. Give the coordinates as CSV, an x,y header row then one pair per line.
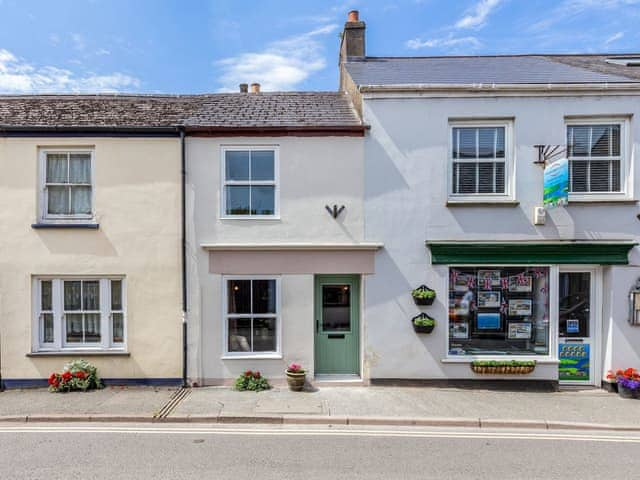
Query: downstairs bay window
x,y
83,314
498,311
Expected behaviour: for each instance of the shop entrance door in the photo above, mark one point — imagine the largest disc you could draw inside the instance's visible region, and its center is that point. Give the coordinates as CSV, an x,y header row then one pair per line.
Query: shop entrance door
x,y
576,327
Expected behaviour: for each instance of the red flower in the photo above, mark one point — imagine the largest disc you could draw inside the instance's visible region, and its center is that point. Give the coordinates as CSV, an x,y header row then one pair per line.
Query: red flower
x,y
66,376
53,378
248,373
256,375
80,374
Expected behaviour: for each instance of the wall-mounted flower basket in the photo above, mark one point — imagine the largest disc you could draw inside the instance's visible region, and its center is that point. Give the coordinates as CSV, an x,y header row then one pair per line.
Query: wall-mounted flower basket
x,y
503,367
423,323
423,295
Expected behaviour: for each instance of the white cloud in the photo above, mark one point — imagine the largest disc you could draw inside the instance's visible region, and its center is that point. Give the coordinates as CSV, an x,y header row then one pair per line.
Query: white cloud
x,y
18,76
447,42
477,16
281,66
568,9
614,37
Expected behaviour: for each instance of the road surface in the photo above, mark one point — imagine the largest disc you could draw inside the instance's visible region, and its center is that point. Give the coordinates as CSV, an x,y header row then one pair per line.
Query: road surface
x,y
181,451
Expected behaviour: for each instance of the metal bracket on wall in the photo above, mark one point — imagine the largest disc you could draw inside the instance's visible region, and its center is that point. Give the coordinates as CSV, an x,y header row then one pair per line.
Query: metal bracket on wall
x,y
546,153
335,211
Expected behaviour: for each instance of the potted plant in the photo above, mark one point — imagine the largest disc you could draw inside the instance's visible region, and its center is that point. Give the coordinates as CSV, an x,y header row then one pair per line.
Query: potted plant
x,y
503,367
78,375
423,295
610,383
628,381
423,323
295,377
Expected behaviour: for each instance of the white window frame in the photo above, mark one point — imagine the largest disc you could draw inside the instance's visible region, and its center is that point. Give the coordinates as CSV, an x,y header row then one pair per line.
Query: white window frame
x,y
224,183
509,162
227,355
626,184
60,344
551,357
44,216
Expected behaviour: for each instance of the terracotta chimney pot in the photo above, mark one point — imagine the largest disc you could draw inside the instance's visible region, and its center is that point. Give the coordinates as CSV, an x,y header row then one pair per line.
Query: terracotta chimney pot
x,y
255,88
353,16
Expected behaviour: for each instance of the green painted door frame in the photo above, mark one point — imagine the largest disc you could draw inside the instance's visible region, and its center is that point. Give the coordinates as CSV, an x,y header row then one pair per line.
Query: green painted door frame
x,y
337,324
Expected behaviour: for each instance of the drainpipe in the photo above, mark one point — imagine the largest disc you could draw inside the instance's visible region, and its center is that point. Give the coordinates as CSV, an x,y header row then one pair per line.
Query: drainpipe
x,y
183,214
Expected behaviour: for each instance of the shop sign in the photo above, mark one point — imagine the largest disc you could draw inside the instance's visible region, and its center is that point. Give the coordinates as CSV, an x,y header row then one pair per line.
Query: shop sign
x,y
574,362
556,184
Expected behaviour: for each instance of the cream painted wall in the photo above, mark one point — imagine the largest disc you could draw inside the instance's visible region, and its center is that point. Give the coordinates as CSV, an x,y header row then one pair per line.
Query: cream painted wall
x,y
314,172
137,204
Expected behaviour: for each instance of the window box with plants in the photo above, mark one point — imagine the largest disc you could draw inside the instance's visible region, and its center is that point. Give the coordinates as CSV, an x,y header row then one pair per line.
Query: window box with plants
x,y
503,367
423,323
628,381
423,295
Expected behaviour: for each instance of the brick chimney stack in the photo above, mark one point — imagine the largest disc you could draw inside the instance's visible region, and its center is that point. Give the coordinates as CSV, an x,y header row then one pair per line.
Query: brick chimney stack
x,y
244,88
353,38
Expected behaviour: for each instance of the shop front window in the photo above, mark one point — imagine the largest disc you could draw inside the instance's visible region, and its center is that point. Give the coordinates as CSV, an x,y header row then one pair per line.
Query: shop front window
x,y
499,311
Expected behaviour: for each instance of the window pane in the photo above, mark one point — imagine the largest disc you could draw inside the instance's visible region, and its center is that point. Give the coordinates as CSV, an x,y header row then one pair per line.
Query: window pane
x,y
45,295
578,175
264,335
57,168
262,165
92,327
72,292
47,327
615,140
237,200
491,177
116,294
467,146
80,200
239,296
58,200
499,310
263,200
117,320
574,297
336,308
80,168
264,296
237,165
464,180
239,335
486,142
74,327
91,295
578,140
500,142
600,141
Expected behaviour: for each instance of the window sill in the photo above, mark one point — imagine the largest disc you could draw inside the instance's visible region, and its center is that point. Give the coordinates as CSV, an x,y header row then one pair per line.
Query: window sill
x,y
470,359
601,201
249,217
482,203
80,225
270,356
80,353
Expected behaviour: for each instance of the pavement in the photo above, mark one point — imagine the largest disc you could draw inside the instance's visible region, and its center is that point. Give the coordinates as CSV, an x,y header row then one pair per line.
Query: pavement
x,y
590,409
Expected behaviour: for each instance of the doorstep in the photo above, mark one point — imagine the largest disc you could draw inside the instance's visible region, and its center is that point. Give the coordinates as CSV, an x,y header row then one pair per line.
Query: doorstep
x,y
320,380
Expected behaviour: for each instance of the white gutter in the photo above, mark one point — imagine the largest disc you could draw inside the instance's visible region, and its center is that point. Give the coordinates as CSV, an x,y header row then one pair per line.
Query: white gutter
x,y
502,87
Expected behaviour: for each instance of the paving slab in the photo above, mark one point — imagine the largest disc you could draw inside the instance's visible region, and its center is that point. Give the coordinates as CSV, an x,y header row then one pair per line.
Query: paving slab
x,y
127,401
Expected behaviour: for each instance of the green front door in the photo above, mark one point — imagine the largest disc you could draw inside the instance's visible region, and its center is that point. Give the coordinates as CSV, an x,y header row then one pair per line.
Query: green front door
x,y
337,311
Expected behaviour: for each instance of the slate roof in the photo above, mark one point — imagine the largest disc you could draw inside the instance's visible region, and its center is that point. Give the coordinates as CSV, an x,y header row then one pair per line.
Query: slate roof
x,y
515,69
233,110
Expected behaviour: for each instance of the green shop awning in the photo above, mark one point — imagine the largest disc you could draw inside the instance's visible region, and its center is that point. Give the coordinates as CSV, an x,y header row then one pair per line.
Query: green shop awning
x,y
471,253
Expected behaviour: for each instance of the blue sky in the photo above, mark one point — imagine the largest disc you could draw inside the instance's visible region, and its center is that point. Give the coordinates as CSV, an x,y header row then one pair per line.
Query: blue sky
x,y
179,46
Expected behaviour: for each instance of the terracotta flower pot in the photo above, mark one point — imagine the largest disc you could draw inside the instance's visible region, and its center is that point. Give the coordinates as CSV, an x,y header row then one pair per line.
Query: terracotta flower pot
x,y
295,380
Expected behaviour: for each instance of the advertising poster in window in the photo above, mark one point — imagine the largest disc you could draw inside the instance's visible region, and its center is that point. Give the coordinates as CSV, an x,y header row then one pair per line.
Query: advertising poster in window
x,y
519,331
574,362
556,184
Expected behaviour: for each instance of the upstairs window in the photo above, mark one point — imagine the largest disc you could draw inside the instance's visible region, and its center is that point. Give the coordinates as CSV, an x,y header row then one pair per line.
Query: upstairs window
x,y
595,156
479,160
67,184
250,187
